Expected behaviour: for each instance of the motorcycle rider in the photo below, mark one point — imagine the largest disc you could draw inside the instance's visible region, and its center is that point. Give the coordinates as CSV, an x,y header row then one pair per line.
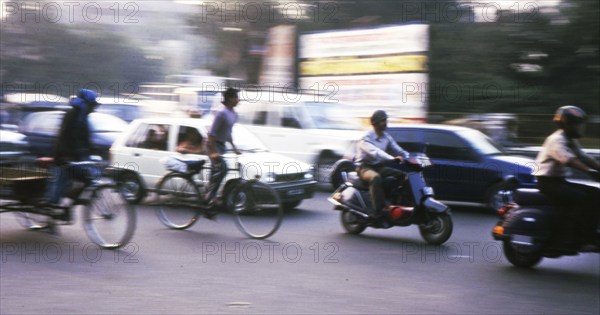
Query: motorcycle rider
x,y
371,155
577,202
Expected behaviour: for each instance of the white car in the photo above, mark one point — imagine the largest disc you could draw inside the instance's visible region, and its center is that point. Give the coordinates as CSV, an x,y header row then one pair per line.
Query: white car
x,y
139,157
295,125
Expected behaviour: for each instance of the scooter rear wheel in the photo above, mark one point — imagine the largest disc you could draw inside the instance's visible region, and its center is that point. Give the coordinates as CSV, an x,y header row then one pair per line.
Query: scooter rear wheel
x,y
521,259
351,223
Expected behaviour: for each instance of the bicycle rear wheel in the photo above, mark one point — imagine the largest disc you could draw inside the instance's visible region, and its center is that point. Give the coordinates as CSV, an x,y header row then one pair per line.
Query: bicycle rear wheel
x,y
256,208
109,220
177,201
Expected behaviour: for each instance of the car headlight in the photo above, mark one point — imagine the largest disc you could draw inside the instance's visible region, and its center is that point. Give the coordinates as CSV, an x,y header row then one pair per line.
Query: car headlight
x,y
269,177
310,174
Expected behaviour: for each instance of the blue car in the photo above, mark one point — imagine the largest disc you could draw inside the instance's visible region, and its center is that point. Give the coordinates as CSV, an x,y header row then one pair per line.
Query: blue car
x,y
41,129
468,165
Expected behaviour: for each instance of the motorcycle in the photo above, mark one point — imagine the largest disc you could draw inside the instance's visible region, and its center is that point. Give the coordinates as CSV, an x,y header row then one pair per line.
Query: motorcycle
x,y
527,227
411,202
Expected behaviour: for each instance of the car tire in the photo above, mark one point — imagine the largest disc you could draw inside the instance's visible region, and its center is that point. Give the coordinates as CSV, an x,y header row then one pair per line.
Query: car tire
x,y
131,187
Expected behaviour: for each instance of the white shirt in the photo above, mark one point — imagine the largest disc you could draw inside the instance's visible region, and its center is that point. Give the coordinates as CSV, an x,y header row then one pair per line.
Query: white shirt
x,y
556,152
373,150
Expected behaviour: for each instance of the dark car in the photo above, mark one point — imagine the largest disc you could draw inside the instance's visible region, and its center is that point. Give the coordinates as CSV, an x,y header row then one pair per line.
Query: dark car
x,y
41,129
14,150
468,165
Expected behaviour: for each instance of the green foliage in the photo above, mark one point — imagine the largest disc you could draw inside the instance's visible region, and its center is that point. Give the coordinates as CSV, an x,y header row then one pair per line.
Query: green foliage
x,y
59,58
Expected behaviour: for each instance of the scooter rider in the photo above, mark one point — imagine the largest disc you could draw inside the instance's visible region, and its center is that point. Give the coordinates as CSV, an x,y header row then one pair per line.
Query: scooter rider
x,y
375,148
577,202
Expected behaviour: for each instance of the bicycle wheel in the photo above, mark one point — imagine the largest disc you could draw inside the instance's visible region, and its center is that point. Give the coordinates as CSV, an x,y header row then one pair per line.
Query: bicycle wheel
x,y
109,220
256,208
177,201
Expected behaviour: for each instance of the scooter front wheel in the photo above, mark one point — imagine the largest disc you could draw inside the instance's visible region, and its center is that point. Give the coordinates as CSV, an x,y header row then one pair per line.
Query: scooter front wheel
x,y
521,259
351,223
438,229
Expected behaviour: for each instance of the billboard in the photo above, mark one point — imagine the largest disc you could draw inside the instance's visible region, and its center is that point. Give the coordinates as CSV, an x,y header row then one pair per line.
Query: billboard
x,y
372,68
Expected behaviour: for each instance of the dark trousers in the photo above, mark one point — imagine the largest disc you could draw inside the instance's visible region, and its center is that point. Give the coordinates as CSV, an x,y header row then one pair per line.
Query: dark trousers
x,y
374,175
218,170
578,204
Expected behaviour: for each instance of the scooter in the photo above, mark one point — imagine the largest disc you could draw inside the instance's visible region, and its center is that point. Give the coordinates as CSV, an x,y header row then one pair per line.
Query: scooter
x,y
527,227
411,202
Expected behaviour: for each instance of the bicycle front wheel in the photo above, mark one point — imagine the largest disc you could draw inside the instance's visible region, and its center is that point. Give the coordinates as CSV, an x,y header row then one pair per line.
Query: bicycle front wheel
x,y
177,201
256,208
109,220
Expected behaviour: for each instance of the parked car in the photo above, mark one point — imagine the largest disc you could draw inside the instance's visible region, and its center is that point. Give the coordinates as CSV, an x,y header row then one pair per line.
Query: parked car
x,y
41,129
468,165
317,133
142,149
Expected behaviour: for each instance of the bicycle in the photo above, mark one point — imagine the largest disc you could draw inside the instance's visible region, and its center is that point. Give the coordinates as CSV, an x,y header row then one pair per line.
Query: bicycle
x,y
108,220
180,203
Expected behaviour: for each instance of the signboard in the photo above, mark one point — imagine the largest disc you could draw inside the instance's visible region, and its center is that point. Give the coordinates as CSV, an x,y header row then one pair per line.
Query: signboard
x,y
375,68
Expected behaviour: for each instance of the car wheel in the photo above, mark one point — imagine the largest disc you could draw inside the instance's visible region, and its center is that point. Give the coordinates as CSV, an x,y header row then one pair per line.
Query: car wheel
x,y
131,188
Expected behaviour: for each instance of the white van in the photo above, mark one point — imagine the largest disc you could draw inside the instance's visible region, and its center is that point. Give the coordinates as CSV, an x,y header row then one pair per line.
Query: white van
x,y
295,125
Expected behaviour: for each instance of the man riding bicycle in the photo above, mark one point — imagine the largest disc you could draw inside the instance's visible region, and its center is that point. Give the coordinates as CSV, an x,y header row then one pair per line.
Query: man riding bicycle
x,y
72,145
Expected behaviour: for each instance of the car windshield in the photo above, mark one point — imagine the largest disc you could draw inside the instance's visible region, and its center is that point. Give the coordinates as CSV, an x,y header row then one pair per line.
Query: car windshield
x,y
481,142
106,123
246,141
331,116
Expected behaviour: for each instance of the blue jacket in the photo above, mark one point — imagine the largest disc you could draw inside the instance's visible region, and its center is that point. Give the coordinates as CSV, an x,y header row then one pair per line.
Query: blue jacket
x,y
73,142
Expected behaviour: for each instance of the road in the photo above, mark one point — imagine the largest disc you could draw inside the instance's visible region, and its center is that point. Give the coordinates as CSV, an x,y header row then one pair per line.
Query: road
x,y
309,267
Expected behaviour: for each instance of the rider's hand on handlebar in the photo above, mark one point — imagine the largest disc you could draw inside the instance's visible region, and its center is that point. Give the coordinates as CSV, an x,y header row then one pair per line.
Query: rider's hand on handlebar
x,y
399,159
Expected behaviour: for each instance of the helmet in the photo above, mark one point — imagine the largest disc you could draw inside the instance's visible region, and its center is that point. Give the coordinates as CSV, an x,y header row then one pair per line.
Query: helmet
x,y
89,96
569,115
378,116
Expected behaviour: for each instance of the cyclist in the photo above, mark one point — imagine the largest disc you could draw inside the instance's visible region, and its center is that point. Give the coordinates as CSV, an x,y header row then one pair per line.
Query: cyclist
x,y
72,145
218,136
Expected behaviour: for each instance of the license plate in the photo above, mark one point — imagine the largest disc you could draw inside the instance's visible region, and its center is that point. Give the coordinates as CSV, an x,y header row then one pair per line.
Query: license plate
x,y
295,192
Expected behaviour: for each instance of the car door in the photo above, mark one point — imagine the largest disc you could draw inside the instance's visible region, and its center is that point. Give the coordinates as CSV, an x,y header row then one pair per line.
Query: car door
x,y
456,174
144,149
41,130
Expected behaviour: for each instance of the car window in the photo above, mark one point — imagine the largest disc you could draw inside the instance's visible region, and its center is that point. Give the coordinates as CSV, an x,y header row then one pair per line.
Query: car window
x,y
482,143
43,123
123,111
106,123
150,136
449,146
252,113
189,134
289,118
411,140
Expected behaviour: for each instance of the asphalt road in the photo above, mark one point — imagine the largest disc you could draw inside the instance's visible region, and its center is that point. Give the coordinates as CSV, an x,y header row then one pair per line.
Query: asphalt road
x,y
309,267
